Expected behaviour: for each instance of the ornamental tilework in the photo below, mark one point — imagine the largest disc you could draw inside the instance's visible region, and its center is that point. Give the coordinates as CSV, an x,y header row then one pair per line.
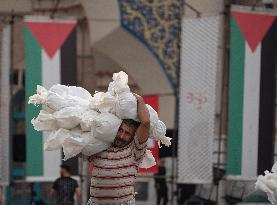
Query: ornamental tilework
x,y
157,24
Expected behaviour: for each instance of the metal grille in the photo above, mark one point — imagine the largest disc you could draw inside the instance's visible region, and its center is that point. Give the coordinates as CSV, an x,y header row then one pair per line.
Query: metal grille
x,y
199,61
4,106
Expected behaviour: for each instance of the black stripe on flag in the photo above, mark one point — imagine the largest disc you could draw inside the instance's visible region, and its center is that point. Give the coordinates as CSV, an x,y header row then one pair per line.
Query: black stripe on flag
x,y
69,77
267,101
68,60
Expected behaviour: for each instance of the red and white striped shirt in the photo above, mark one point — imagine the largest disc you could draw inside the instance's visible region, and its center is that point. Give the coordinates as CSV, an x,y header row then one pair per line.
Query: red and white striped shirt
x,y
114,173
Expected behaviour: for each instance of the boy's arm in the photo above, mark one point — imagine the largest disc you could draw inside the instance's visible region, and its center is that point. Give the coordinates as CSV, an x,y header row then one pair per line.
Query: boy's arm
x,y
144,118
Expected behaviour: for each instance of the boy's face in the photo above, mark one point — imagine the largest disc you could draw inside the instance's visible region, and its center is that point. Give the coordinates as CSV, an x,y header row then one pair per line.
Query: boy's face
x,y
124,135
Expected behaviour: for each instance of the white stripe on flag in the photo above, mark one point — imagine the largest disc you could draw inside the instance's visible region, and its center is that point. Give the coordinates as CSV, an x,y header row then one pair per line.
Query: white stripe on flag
x,y
51,74
51,69
252,66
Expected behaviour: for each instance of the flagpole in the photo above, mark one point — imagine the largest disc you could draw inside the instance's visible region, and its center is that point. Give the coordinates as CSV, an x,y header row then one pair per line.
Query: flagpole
x,y
176,116
223,103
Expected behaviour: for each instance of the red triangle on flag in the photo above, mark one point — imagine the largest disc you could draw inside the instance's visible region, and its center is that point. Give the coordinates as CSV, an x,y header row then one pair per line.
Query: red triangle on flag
x,y
253,26
50,35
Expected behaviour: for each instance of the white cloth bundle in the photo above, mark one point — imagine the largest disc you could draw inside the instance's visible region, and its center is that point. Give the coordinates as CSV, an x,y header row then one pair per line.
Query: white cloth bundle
x,y
60,96
268,184
62,106
55,139
119,84
44,122
122,104
69,117
74,142
103,102
148,160
87,119
81,123
40,97
158,128
72,146
126,106
103,132
71,96
105,127
95,146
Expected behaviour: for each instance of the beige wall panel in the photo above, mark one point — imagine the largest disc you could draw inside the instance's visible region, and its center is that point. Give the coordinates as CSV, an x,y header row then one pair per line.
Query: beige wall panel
x,y
167,111
206,7
101,9
21,6
137,60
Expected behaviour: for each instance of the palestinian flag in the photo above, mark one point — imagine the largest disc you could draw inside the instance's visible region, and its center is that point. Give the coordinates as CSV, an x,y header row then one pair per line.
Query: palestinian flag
x,y
251,93
50,58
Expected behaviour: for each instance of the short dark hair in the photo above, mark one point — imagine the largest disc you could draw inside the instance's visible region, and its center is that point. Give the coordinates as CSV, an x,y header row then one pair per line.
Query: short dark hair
x,y
66,167
131,123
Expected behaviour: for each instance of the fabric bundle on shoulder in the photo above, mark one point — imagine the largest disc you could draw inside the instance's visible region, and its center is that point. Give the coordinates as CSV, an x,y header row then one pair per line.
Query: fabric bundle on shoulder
x,y
87,119
105,127
118,100
268,184
158,128
44,122
81,123
60,96
69,117
119,84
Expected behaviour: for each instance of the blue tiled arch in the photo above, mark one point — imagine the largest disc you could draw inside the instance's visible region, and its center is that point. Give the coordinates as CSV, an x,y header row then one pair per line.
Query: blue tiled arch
x,y
157,24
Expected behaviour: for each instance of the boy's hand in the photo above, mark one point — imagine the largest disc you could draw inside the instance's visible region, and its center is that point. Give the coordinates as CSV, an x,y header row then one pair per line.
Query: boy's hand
x,y
139,98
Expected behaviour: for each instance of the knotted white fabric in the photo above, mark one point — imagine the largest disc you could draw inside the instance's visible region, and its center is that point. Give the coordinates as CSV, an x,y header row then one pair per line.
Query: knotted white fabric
x,y
103,102
126,106
148,160
119,84
60,96
56,139
69,117
44,122
158,128
80,123
87,119
105,127
268,184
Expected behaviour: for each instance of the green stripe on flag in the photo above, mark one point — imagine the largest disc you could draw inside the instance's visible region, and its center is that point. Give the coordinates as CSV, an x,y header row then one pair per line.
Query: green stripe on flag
x,y
236,83
33,78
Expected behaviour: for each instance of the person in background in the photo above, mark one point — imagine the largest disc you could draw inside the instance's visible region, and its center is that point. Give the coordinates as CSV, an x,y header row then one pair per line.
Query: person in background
x,y
160,184
64,188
